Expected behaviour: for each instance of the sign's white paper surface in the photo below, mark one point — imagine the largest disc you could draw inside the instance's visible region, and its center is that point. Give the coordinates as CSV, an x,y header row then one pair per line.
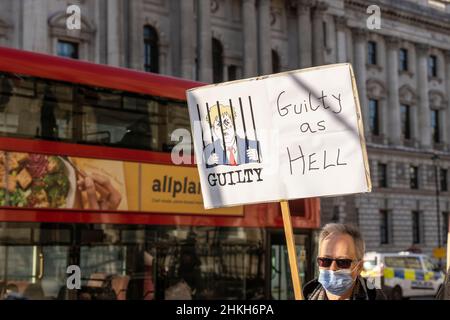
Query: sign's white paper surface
x,y
286,136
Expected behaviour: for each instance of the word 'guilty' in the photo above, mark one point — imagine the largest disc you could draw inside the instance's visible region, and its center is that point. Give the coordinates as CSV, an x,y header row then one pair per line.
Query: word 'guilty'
x,y
234,177
312,161
325,101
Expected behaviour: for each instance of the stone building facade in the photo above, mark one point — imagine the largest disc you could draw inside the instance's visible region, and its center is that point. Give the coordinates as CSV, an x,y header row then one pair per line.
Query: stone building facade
x,y
402,69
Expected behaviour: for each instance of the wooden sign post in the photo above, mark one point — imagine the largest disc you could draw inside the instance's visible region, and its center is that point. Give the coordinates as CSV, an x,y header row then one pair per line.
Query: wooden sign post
x,y
290,243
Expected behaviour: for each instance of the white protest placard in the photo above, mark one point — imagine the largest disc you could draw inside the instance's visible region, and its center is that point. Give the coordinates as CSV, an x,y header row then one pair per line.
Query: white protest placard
x,y
291,135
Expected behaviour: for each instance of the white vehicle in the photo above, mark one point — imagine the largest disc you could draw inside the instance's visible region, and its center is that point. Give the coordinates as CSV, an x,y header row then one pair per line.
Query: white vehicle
x,y
403,275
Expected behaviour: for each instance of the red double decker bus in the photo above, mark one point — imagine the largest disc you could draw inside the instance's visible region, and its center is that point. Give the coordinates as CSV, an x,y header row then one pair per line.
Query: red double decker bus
x,y
87,181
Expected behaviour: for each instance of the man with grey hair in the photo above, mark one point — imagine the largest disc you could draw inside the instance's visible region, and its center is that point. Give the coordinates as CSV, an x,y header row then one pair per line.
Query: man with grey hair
x,y
340,260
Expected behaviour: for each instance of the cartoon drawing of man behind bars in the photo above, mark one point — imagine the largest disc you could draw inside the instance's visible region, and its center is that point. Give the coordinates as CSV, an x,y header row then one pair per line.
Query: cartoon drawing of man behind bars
x,y
238,150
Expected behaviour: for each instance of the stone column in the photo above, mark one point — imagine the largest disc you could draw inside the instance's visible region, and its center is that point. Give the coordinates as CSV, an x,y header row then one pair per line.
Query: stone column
x,y
204,39
225,72
318,40
164,61
330,41
136,37
35,26
16,33
447,111
393,97
114,40
341,40
422,86
187,44
385,114
100,35
249,36
264,38
304,33
359,37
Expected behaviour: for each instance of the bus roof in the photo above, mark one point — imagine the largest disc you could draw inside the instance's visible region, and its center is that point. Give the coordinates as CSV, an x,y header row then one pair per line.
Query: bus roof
x,y
92,74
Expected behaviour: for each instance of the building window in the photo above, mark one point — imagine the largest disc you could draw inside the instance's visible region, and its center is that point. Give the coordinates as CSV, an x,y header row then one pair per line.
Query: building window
x,y
384,227
232,72
335,217
217,51
432,66
68,49
435,126
403,56
416,227
372,52
382,175
405,117
374,117
275,62
443,180
414,177
151,50
325,40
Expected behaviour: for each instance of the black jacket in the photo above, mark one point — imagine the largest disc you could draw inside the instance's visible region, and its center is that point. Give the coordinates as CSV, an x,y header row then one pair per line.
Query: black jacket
x,y
444,291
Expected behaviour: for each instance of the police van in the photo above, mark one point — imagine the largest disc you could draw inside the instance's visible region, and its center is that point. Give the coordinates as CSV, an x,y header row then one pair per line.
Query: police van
x,y
403,275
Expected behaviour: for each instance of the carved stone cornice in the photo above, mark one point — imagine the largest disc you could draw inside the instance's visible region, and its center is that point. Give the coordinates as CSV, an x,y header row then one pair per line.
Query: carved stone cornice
x,y
305,3
392,42
437,99
214,6
359,33
304,7
376,89
407,95
58,28
409,13
447,55
422,48
4,28
340,22
319,8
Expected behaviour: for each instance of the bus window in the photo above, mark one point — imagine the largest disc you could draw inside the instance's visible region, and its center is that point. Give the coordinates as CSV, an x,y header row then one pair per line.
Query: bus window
x,y
280,280
37,108
5,91
179,119
16,263
21,115
210,263
52,110
55,259
56,110
102,259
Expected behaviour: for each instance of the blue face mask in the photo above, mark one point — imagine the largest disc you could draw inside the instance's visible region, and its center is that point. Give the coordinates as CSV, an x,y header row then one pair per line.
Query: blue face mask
x,y
336,282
